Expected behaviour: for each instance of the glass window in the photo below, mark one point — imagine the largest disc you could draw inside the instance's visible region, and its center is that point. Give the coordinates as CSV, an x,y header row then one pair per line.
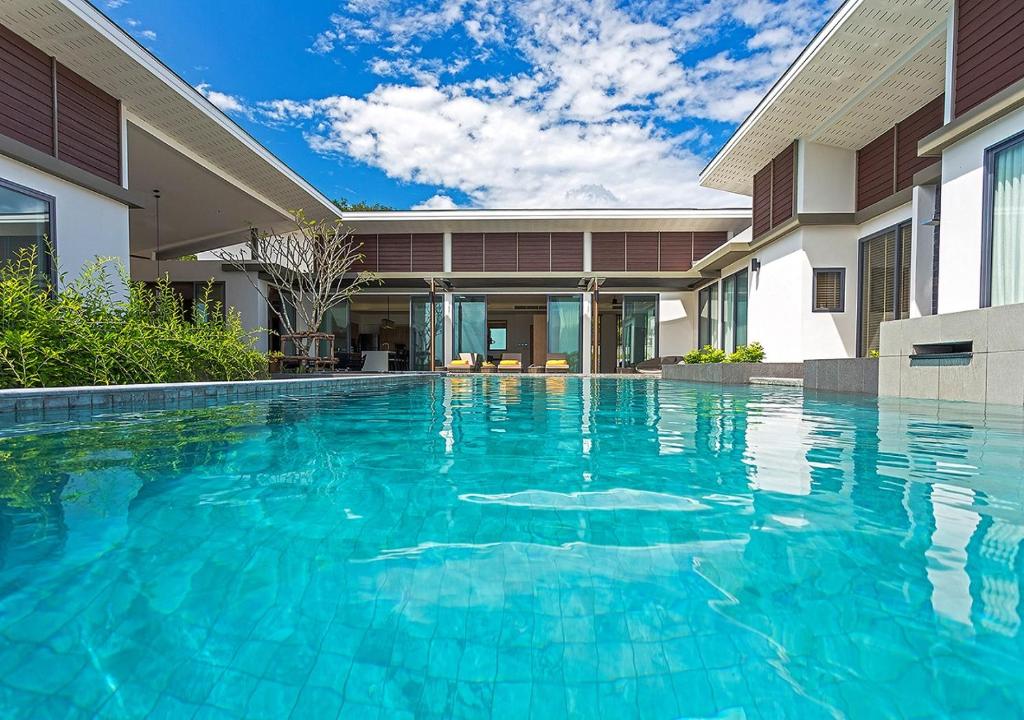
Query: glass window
x,y
497,333
829,291
336,322
1005,218
884,282
25,226
565,327
707,330
734,311
470,318
639,328
420,332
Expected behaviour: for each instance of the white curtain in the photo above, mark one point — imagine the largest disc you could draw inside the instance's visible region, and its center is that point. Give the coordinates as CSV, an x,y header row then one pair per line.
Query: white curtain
x,y
1008,227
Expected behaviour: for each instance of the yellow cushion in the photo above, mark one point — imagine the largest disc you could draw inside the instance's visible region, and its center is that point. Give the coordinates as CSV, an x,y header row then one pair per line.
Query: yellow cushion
x,y
459,362
509,362
557,363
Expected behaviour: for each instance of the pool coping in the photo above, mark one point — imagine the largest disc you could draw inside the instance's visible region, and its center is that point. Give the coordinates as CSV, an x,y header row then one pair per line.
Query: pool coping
x,y
28,404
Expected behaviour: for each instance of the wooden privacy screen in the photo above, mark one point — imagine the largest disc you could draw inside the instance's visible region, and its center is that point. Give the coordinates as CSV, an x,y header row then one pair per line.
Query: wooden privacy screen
x,y
774,192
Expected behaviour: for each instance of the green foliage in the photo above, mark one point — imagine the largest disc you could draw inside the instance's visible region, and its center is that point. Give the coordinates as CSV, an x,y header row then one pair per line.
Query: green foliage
x,y
706,354
360,206
752,353
97,331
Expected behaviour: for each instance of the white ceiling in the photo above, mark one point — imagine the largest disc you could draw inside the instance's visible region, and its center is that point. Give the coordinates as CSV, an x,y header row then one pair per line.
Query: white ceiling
x,y
874,63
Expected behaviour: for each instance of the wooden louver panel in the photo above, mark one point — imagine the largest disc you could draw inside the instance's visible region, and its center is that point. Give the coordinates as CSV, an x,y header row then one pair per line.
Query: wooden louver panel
x,y
783,173
641,251
368,248
762,211
467,252
676,251
534,252
394,252
608,251
876,170
427,252
500,252
567,251
88,126
989,53
26,92
705,242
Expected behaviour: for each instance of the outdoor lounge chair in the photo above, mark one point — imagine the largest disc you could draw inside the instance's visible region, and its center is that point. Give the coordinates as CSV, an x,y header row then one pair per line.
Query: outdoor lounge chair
x,y
465,363
557,363
654,365
510,363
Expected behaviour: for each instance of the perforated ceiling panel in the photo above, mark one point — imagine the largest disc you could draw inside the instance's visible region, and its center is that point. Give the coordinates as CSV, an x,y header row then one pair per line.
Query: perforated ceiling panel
x,y
881,60
87,42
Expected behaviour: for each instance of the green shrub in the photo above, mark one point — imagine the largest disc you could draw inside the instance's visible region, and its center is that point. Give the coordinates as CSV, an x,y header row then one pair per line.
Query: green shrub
x,y
706,354
96,331
752,353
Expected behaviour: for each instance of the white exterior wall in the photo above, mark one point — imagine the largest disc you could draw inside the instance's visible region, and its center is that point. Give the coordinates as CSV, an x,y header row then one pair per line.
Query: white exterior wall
x,y
87,225
239,293
826,179
963,171
774,305
677,327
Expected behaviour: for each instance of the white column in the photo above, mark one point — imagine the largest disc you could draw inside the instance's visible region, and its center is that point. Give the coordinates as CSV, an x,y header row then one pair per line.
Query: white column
x,y
449,326
447,252
588,240
586,350
922,251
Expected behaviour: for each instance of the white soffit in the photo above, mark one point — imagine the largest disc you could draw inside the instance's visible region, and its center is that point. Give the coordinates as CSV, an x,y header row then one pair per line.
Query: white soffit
x,y
554,220
89,43
874,63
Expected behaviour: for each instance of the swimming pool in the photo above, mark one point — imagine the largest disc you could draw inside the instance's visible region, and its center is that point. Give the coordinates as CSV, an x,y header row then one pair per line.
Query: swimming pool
x,y
516,547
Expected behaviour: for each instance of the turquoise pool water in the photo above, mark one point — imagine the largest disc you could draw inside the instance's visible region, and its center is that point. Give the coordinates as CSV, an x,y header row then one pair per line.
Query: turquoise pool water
x,y
513,548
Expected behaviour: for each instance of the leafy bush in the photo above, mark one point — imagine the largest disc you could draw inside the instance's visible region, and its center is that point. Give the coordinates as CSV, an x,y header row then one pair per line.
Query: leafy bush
x,y
752,353
97,332
706,354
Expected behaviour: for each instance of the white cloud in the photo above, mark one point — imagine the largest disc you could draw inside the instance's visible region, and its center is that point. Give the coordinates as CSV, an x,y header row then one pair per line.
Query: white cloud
x,y
148,34
115,4
227,103
436,202
585,117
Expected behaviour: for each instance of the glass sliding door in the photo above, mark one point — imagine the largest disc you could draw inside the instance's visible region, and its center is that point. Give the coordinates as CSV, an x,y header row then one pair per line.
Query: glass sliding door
x,y
25,227
470,324
1003,267
336,323
419,331
884,283
734,311
707,328
639,328
565,328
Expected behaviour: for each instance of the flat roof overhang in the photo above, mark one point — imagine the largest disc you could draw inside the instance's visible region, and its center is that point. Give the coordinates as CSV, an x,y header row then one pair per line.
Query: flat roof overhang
x,y
540,281
553,220
874,63
154,97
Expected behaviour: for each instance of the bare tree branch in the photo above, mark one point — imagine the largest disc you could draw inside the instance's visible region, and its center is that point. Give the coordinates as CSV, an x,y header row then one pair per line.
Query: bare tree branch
x,y
313,263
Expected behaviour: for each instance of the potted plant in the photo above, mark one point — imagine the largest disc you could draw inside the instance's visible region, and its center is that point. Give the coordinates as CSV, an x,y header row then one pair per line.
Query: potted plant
x,y
274,359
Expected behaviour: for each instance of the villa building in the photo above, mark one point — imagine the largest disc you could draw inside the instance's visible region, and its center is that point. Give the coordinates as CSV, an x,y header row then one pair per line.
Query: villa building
x,y
885,169
105,152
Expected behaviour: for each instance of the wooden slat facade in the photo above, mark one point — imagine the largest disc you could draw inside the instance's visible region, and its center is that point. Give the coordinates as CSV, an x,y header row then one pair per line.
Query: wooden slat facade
x,y
608,251
394,252
500,252
427,252
26,92
876,169
675,251
567,251
705,242
989,50
762,202
534,252
368,247
908,133
83,127
467,252
783,176
641,251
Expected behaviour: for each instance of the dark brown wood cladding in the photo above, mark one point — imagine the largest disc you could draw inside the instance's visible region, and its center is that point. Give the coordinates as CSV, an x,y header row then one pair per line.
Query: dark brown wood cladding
x,y
676,251
641,251
908,133
500,253
566,251
534,252
989,54
467,252
876,169
427,252
783,172
608,251
368,248
26,92
394,252
705,242
762,210
88,126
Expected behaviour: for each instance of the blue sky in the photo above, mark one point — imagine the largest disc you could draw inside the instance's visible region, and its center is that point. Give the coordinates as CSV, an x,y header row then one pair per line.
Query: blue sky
x,y
485,103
